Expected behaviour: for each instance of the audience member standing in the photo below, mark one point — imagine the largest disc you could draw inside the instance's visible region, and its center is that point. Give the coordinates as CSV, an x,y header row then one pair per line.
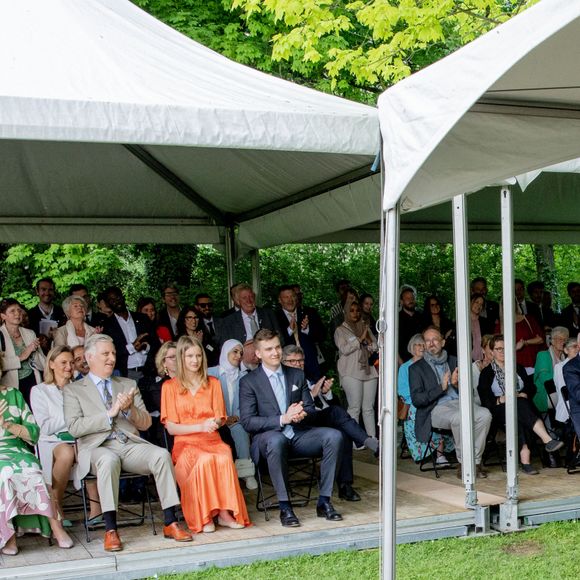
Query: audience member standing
x,y
46,316
245,322
135,340
410,320
296,328
169,313
356,343
76,331
23,360
570,316
210,324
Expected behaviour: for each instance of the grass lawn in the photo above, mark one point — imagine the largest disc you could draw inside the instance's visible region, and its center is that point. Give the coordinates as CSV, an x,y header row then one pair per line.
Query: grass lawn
x,y
550,551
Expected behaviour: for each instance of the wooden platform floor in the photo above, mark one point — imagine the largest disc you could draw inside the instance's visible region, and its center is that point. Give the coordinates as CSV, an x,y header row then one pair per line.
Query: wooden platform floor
x,y
418,495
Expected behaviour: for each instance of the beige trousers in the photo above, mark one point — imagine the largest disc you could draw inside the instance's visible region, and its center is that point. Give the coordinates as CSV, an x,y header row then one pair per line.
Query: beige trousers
x,y
112,457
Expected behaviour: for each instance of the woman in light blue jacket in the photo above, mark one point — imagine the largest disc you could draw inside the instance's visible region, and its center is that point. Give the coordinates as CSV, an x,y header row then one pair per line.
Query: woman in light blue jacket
x,y
229,373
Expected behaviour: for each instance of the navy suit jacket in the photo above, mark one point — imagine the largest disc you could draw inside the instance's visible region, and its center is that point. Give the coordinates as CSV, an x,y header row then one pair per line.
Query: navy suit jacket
x,y
259,410
233,325
571,372
311,366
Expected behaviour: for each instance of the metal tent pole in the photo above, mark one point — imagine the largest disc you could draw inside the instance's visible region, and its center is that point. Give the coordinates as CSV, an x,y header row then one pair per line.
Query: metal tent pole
x,y
462,299
256,282
388,389
230,253
509,509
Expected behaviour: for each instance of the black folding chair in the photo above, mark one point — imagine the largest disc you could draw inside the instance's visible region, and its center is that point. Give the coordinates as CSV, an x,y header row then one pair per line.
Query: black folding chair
x,y
430,455
301,474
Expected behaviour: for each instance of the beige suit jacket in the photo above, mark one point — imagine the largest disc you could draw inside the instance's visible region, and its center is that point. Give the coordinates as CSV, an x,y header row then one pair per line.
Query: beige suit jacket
x,y
87,420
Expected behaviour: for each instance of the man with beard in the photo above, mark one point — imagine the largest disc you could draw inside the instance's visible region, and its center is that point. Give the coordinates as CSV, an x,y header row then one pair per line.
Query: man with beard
x,y
434,391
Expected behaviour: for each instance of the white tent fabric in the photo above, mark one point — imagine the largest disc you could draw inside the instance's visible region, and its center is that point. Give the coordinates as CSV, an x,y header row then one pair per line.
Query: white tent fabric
x,y
114,128
506,104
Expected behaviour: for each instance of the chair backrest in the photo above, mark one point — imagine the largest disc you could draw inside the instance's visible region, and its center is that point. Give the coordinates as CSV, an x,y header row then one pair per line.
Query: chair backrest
x,y
565,394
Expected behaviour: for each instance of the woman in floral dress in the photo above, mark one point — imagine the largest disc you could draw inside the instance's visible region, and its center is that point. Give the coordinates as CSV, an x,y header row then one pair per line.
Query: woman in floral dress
x,y
24,500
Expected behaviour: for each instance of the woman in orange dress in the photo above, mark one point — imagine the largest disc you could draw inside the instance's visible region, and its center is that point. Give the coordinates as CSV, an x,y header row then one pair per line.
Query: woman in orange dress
x,y
192,409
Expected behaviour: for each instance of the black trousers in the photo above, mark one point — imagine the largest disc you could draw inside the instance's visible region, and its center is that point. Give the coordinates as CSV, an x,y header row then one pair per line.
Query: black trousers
x,y
336,417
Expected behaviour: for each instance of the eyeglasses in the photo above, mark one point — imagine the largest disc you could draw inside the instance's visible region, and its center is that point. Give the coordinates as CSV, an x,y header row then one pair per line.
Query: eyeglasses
x,y
294,361
205,304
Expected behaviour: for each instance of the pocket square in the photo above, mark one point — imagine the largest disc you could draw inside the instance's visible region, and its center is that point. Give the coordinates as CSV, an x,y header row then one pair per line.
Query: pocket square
x,y
295,388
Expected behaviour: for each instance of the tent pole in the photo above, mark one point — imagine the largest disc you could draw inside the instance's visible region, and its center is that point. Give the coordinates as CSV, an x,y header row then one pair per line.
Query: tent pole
x,y
388,390
462,298
509,509
230,242
256,283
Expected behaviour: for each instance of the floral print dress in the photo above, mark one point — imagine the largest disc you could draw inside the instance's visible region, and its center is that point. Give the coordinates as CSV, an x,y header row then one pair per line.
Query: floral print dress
x,y
24,500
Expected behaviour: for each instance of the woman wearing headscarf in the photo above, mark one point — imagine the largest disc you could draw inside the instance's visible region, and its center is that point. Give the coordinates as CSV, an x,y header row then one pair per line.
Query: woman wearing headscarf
x,y
229,372
359,379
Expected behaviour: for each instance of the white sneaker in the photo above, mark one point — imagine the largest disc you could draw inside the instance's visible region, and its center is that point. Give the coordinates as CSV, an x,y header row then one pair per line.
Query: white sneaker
x,y
251,483
442,460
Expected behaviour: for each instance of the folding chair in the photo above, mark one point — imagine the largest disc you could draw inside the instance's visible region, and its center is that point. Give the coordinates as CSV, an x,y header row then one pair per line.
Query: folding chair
x,y
134,518
430,455
301,473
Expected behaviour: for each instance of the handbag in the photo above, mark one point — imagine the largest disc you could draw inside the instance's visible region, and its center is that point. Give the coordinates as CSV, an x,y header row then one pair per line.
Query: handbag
x,y
402,409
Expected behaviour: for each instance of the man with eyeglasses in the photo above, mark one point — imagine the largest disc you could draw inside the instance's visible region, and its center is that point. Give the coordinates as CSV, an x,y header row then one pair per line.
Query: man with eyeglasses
x,y
168,316
434,391
329,414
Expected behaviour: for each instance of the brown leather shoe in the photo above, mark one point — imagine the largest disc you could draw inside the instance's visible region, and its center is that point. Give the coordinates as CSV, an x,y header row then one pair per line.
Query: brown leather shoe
x,y
112,541
176,533
480,472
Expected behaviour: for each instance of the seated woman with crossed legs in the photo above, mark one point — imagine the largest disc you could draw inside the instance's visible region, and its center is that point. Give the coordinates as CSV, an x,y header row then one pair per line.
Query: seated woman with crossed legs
x,y
56,447
492,394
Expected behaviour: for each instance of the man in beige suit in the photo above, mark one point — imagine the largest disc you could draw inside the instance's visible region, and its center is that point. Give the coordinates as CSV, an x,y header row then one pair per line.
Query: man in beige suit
x,y
105,414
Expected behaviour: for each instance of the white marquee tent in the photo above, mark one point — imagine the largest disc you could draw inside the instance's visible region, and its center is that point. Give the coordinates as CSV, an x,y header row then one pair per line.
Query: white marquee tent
x,y
506,104
116,128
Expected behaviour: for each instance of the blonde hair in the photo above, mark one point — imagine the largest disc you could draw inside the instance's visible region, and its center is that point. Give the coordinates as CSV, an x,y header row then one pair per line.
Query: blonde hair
x,y
184,344
160,356
53,354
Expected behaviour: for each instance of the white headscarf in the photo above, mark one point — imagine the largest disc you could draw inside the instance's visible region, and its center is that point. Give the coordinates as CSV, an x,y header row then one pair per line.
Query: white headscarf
x,y
226,367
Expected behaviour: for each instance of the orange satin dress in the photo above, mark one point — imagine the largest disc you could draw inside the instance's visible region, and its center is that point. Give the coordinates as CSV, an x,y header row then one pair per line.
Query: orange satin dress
x,y
204,468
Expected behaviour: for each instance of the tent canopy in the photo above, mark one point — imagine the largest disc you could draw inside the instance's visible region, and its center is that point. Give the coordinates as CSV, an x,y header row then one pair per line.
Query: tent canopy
x,y
116,128
506,104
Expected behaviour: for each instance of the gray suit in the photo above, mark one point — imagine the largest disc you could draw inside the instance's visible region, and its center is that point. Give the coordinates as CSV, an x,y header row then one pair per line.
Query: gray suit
x,y
260,416
87,420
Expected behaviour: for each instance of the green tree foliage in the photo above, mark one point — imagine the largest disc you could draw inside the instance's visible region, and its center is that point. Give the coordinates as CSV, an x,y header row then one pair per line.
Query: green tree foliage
x,y
369,45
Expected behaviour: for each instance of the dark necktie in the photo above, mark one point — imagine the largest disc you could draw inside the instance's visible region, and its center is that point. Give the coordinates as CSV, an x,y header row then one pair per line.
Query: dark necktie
x,y
117,433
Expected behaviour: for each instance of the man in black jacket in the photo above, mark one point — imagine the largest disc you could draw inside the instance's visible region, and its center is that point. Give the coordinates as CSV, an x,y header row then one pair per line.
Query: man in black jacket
x,y
434,391
135,340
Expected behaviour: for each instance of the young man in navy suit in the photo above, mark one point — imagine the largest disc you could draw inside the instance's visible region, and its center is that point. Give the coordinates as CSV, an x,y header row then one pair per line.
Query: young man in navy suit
x,y
274,401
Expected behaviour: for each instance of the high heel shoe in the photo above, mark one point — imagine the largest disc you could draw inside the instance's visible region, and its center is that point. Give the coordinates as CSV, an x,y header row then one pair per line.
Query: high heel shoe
x,y
232,525
208,528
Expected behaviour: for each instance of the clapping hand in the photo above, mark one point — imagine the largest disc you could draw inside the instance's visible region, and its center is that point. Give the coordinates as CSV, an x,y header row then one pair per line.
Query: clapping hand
x,y
125,400
445,381
295,413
